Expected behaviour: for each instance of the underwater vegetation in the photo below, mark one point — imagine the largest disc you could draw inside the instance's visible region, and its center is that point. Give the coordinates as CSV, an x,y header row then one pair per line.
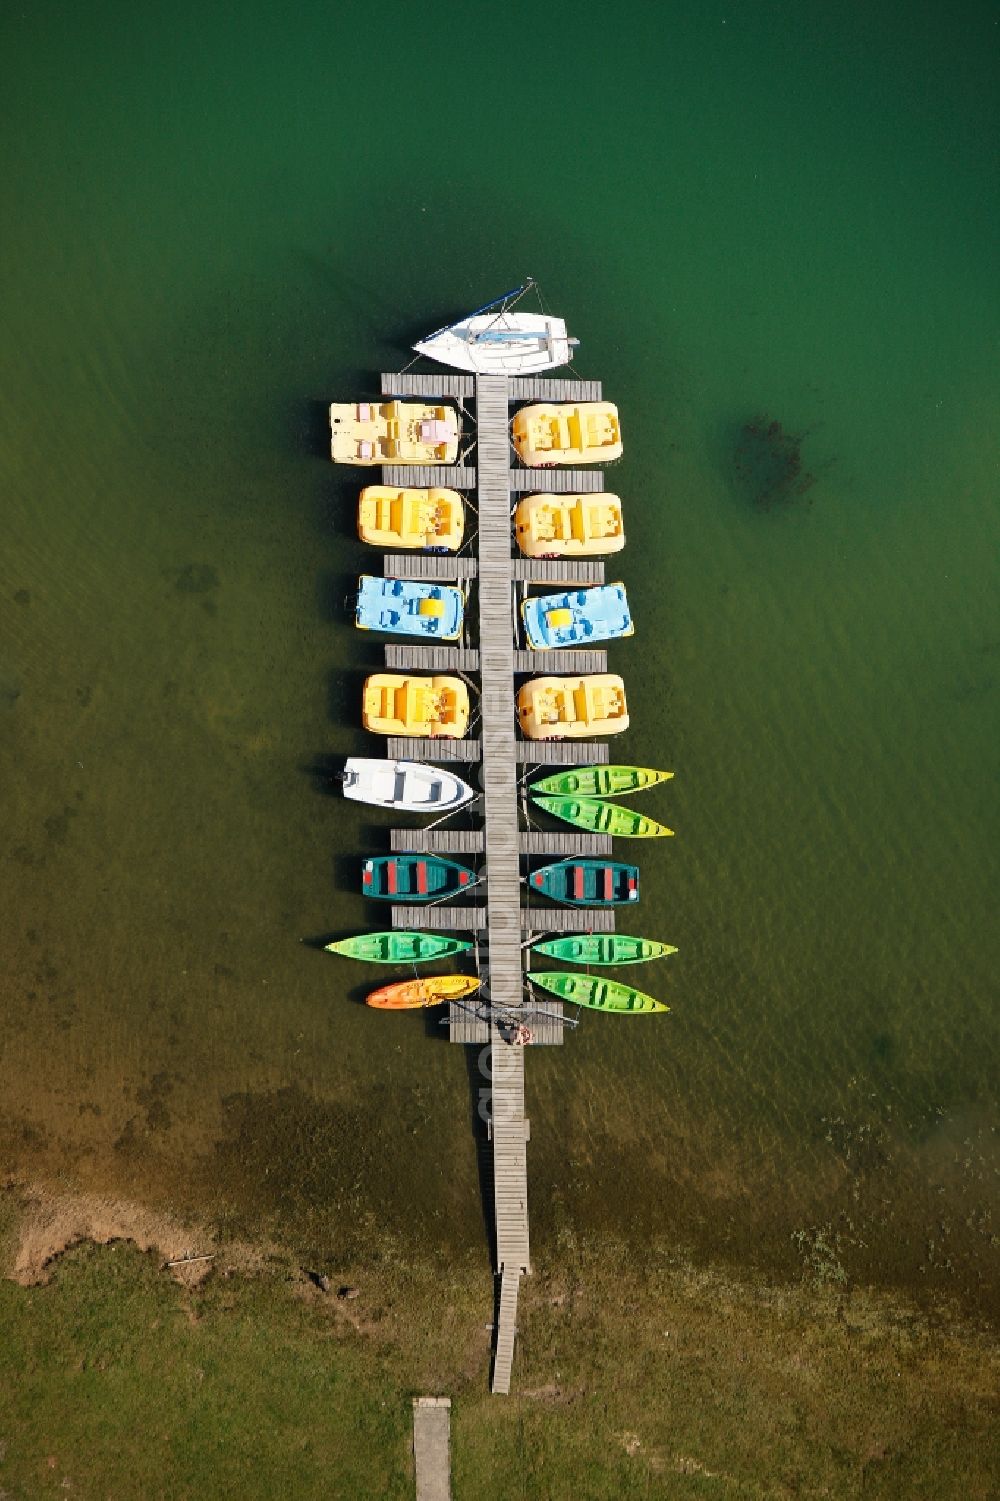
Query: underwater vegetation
x,y
768,464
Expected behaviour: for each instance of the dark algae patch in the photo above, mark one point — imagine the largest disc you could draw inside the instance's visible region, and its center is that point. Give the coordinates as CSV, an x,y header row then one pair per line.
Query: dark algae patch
x,y
768,465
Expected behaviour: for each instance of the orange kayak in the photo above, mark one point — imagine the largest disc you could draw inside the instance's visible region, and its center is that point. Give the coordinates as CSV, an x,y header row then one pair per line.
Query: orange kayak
x,y
432,991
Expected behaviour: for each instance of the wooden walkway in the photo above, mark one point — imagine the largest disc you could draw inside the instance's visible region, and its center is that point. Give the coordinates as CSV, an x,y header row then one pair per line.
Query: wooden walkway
x,y
553,481
432,658
443,917
543,663
548,752
440,384
452,386
544,842
492,909
553,388
558,571
449,568
471,1024
567,919
412,748
441,476
443,841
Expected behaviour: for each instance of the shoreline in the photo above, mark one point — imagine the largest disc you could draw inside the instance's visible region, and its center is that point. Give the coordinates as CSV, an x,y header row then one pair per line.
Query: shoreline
x,y
645,1373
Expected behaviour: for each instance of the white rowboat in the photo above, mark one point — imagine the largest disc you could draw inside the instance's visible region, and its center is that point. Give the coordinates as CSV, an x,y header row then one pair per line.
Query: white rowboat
x,y
409,786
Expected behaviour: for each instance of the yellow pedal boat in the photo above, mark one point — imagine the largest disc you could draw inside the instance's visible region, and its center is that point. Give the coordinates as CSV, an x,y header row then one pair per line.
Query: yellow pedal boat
x,y
588,433
395,704
556,708
569,526
392,432
433,519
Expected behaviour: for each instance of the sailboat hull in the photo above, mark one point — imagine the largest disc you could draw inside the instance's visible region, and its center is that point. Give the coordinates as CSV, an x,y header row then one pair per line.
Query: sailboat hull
x,y
500,344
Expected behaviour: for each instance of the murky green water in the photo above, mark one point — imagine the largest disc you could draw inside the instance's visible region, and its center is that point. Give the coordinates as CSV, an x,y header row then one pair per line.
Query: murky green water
x,y
214,226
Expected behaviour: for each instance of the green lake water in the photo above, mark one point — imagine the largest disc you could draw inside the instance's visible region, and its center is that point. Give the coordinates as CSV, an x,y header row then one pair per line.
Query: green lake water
x,y
215,224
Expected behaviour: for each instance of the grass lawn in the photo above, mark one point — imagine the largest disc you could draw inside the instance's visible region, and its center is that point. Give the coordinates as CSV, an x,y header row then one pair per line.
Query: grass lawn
x,y
631,1380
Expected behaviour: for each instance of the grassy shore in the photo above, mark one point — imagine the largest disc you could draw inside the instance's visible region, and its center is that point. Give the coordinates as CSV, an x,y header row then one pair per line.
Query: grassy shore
x,y
634,1377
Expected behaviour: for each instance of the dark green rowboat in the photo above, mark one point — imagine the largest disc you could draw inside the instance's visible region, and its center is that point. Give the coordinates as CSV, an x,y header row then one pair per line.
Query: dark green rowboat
x,y
596,992
600,781
587,882
602,818
398,947
603,948
414,878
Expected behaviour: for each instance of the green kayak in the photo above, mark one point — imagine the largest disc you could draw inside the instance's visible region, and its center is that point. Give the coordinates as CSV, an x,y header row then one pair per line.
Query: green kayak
x,y
398,947
602,818
603,948
596,992
600,781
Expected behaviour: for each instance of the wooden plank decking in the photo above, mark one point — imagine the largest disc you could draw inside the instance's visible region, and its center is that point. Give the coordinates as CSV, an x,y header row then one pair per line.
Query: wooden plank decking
x,y
567,919
432,476
503,1355
558,571
503,984
448,567
442,917
493,909
445,384
553,388
431,658
467,1024
555,842
555,752
544,663
553,481
442,841
412,748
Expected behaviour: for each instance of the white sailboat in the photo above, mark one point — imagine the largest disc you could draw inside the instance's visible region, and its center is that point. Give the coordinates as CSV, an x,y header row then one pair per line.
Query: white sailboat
x,y
495,340
407,786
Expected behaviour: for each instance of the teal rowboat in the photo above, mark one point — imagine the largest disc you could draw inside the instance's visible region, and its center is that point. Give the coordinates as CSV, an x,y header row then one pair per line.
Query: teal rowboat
x,y
601,817
603,948
596,992
588,882
398,947
600,781
413,878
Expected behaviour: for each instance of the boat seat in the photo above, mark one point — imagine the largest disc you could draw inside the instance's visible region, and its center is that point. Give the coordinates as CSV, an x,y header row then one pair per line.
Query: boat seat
x,y
422,877
609,883
578,882
392,877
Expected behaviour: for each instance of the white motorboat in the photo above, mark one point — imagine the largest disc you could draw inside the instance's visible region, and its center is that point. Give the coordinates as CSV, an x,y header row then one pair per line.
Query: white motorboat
x,y
407,786
494,340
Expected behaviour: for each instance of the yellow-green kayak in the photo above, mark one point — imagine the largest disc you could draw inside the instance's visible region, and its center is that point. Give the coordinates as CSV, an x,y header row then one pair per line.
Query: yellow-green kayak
x,y
600,781
599,817
595,991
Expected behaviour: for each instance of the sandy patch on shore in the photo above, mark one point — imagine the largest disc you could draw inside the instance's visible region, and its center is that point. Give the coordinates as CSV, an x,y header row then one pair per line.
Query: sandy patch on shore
x,y
49,1223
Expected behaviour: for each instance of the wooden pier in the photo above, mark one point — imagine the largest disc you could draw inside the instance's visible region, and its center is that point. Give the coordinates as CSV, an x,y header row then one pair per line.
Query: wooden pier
x,y
504,925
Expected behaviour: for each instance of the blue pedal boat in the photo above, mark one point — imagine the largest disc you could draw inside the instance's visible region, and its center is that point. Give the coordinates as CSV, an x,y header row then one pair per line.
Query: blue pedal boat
x,y
406,608
577,617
